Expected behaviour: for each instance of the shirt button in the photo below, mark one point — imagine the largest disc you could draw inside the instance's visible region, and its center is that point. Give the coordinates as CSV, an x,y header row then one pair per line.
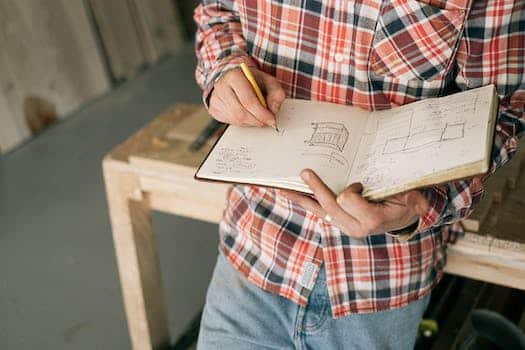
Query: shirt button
x,y
498,127
339,57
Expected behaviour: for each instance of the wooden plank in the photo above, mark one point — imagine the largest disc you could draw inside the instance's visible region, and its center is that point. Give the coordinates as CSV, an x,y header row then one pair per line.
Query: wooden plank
x,y
48,52
507,181
159,26
12,129
173,188
136,32
120,37
137,259
167,136
478,261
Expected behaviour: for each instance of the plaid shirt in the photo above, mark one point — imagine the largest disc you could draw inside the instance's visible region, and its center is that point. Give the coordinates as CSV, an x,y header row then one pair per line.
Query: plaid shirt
x,y
375,55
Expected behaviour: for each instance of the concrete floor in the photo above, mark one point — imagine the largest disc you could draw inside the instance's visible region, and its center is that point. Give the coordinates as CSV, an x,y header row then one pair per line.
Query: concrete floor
x,y
59,287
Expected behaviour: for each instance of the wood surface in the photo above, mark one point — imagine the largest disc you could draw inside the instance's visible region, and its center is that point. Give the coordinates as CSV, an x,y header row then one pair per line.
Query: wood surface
x,y
120,37
159,26
47,52
160,167
53,55
137,260
136,33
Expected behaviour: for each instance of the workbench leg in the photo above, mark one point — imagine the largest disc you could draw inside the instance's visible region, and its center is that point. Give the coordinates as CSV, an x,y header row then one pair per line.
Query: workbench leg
x,y
137,259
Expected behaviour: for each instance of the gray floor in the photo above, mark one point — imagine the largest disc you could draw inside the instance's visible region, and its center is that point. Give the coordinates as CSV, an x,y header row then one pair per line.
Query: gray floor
x,y
59,287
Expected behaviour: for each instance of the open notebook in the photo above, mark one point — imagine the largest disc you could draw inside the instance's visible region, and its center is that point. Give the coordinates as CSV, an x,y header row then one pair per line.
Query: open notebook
x,y
427,142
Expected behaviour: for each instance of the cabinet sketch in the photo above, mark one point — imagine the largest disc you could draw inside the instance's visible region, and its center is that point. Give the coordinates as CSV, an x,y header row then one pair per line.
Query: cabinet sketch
x,y
329,134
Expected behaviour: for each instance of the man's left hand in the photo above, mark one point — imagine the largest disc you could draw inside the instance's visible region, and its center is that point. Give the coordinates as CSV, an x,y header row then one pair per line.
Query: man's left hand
x,y
355,215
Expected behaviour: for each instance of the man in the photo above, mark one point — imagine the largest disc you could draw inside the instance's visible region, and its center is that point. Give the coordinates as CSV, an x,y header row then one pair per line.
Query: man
x,y
339,271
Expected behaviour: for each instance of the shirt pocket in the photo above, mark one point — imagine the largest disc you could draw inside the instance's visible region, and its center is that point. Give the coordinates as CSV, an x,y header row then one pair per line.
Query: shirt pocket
x,y
417,39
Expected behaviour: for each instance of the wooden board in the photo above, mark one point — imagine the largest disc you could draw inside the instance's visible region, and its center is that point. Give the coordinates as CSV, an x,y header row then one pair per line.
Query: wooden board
x,y
120,37
47,50
503,204
159,26
136,33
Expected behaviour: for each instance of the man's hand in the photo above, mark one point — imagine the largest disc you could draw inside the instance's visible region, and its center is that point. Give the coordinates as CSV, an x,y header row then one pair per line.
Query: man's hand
x,y
233,100
353,214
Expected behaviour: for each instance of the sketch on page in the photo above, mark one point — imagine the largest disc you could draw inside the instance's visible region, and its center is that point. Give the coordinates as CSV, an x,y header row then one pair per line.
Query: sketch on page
x,y
328,134
411,139
404,143
234,160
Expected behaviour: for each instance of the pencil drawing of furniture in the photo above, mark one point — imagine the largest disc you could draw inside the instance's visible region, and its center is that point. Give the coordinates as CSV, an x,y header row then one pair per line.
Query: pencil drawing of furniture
x,y
327,134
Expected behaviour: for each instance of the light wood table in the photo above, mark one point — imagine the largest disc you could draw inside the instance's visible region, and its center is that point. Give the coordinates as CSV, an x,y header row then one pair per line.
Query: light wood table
x,y
153,170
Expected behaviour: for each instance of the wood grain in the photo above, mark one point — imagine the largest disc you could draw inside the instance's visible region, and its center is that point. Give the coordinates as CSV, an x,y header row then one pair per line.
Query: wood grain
x,y
137,260
136,33
47,50
120,37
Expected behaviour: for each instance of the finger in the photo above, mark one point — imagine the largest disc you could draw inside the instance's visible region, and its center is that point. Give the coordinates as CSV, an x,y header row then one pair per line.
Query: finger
x,y
416,201
326,198
250,102
369,215
305,202
241,116
275,94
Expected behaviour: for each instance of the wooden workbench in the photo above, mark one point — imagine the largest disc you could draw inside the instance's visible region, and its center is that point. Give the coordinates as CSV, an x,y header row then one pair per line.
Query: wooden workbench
x,y
153,170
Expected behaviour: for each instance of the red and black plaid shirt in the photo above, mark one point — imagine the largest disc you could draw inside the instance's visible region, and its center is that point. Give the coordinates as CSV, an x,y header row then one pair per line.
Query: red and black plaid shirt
x,y
375,55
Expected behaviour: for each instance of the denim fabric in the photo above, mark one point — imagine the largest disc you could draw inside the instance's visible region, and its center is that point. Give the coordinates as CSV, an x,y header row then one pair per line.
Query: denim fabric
x,y
239,315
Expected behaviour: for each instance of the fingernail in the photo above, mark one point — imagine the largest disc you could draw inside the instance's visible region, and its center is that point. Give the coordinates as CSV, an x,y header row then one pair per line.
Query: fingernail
x,y
305,174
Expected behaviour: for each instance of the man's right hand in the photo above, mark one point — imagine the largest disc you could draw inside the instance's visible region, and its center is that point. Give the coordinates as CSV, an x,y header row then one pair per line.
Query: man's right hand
x,y
233,100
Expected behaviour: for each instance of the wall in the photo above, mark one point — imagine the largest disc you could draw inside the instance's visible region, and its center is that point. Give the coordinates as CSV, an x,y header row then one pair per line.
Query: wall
x,y
57,55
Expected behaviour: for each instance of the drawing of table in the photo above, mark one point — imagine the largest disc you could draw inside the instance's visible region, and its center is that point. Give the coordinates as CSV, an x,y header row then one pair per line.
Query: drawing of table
x,y
153,170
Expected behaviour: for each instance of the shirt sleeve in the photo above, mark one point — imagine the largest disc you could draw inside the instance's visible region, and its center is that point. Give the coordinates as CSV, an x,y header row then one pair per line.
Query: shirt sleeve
x,y
491,51
219,43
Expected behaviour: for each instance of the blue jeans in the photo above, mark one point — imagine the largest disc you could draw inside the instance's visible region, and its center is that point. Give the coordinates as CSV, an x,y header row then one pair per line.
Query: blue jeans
x,y
239,315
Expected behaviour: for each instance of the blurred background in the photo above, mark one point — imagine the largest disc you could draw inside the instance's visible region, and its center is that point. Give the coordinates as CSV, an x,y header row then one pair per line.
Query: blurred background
x,y
58,55
78,77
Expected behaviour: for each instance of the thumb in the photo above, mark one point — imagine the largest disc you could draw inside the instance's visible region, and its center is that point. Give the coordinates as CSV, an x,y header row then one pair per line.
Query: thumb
x,y
356,187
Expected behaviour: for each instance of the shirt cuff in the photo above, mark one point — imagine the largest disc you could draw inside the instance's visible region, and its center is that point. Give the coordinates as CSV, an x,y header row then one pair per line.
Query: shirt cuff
x,y
224,65
406,233
437,198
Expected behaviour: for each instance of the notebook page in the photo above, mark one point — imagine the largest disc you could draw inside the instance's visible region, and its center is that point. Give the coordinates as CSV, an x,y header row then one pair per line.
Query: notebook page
x,y
419,139
316,135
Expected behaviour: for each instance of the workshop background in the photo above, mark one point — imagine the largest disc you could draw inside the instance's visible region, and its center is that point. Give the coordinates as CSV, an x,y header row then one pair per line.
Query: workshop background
x,y
77,77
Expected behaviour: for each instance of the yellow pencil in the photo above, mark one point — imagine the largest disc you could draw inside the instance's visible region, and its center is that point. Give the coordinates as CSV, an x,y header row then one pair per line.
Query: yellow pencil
x,y
248,74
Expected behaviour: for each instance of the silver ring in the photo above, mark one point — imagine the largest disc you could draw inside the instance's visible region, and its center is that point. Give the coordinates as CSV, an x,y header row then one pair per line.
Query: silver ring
x,y
327,218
